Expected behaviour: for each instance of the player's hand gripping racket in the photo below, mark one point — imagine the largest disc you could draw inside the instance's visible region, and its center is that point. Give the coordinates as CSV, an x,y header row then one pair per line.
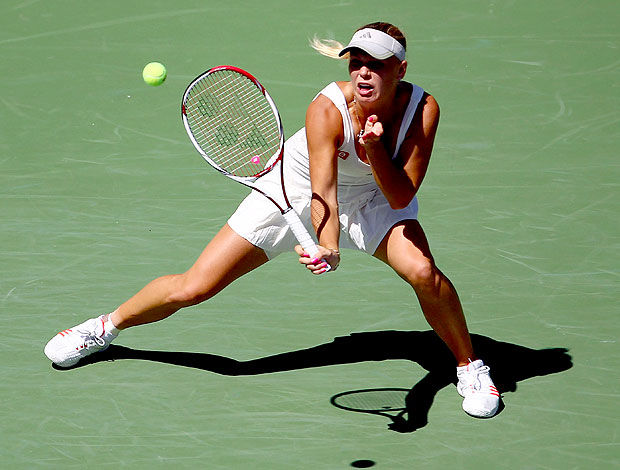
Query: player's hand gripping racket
x,y
235,125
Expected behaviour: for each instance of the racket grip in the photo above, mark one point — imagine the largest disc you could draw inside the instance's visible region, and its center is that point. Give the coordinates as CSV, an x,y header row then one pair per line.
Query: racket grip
x,y
303,237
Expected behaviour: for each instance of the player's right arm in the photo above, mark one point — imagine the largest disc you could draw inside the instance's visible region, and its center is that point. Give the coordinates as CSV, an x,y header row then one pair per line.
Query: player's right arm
x,y
324,133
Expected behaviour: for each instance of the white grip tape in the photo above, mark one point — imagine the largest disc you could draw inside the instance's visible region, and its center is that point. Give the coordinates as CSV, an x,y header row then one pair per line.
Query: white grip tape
x,y
302,235
304,238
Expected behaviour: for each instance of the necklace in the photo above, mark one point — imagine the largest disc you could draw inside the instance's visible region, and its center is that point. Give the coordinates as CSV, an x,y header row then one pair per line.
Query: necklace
x,y
361,132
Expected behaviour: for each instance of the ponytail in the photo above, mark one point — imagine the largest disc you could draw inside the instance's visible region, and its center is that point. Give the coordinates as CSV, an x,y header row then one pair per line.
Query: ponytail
x,y
327,47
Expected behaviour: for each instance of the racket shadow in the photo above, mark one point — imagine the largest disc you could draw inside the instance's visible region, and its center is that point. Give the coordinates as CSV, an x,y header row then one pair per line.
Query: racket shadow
x,y
509,363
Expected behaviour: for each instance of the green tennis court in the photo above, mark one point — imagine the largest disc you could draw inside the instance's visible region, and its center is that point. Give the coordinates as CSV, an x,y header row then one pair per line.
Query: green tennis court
x,y
101,191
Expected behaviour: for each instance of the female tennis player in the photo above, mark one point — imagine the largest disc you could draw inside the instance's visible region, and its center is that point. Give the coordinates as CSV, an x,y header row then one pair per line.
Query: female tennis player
x,y
352,174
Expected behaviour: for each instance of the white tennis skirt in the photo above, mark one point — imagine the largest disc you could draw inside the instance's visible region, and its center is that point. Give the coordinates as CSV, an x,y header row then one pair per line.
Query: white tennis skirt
x,y
364,212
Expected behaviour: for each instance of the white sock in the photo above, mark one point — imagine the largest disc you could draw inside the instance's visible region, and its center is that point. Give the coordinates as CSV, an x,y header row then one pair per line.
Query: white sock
x,y
110,327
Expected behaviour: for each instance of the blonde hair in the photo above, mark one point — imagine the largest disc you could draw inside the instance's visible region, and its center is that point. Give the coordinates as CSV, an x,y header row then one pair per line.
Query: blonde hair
x,y
331,48
328,47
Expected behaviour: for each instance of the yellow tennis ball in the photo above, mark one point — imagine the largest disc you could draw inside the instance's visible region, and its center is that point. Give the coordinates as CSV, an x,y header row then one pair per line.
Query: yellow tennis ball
x,y
154,73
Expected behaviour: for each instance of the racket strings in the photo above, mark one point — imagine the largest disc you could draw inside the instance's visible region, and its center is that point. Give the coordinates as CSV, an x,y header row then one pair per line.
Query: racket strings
x,y
233,122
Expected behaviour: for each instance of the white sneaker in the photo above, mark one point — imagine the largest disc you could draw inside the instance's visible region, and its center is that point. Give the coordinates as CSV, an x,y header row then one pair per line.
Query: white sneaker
x,y
69,346
475,385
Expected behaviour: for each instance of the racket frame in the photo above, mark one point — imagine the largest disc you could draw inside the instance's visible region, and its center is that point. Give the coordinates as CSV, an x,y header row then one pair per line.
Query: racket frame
x,y
286,209
245,180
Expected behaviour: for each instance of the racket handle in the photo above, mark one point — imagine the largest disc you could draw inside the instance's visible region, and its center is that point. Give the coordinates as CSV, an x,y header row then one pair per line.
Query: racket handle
x,y
302,235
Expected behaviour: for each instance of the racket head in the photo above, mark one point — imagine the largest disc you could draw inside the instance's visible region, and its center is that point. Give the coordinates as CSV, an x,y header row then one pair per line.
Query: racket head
x,y
233,122
372,400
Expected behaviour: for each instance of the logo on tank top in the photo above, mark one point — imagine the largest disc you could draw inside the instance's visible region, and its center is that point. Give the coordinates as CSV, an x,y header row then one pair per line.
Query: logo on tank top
x,y
342,154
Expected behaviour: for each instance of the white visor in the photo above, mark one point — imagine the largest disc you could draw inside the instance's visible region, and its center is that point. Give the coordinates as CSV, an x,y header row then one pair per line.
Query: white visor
x,y
376,43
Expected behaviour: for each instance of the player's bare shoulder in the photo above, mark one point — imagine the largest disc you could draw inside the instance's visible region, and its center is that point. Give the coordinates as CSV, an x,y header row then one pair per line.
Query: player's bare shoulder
x,y
430,113
426,119
323,107
323,120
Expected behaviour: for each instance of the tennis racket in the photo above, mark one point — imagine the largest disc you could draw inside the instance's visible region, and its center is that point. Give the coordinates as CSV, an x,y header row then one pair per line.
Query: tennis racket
x,y
235,125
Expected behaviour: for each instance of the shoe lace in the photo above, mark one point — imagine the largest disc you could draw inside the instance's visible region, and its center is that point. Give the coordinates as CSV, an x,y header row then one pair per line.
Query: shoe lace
x,y
90,338
477,378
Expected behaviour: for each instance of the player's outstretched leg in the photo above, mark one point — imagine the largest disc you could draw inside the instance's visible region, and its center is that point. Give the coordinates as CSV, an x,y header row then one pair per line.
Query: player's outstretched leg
x,y
226,258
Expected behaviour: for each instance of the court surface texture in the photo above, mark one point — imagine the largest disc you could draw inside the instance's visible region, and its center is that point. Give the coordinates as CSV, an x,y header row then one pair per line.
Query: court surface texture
x,y
101,191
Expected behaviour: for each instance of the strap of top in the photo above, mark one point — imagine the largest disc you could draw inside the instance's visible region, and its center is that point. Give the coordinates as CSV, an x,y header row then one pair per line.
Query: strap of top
x,y
334,93
416,97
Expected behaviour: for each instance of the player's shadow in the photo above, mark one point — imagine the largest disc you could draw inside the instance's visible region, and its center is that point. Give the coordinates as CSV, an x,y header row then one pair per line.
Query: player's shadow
x,y
509,363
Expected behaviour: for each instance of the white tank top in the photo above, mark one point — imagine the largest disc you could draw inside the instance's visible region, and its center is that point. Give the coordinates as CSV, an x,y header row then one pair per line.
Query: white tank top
x,y
349,163
352,172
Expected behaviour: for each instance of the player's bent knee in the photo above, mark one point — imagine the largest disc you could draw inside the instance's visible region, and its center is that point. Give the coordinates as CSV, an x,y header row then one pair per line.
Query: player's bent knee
x,y
420,273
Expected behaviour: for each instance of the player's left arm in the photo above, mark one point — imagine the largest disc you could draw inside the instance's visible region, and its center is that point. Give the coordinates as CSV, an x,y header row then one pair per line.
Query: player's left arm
x,y
400,180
